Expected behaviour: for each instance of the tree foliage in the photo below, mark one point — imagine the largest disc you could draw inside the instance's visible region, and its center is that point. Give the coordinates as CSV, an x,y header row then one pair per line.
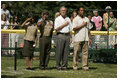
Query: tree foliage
x,y
22,8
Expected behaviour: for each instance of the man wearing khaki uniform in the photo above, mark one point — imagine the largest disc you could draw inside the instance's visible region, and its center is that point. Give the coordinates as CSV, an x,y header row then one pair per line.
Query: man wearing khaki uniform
x,y
81,38
46,29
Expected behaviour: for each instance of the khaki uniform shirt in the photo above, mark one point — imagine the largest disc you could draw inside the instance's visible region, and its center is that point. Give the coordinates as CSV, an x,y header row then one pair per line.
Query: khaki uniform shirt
x,y
46,28
31,32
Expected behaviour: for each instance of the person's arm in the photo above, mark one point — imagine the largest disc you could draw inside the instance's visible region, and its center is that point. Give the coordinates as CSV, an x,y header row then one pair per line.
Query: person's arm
x,y
2,24
116,24
52,25
11,27
26,22
39,23
42,20
9,16
110,23
36,39
35,43
89,33
89,37
71,29
70,36
62,26
104,21
100,25
79,27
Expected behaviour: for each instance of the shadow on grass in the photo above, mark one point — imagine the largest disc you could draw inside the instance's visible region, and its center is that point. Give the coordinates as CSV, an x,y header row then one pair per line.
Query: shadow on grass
x,y
40,77
93,68
80,68
8,76
69,68
49,68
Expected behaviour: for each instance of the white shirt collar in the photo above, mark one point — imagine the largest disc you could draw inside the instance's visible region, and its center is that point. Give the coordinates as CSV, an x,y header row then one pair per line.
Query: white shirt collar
x,y
80,17
62,17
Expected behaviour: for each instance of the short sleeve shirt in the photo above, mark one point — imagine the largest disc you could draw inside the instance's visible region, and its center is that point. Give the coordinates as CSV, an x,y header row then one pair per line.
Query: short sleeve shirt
x,y
81,34
31,32
46,28
60,21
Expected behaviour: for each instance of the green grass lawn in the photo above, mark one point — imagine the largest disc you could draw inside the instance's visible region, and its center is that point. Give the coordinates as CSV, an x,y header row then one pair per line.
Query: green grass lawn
x,y
97,70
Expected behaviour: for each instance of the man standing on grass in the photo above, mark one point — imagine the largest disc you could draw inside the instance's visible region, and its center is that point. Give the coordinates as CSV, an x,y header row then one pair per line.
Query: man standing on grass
x,y
46,29
63,27
81,38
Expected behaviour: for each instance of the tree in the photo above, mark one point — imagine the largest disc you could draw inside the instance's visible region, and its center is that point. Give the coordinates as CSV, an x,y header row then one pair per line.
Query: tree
x,y
22,8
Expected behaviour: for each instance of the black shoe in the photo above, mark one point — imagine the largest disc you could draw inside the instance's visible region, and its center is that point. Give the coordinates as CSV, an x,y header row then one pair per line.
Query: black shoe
x,y
46,68
58,68
64,68
30,68
42,68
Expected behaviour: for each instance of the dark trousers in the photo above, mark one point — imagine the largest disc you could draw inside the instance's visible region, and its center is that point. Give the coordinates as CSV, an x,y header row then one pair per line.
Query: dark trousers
x,y
45,46
62,50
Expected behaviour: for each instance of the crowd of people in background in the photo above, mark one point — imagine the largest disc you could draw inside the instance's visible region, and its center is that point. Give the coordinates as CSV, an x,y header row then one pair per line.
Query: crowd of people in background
x,y
99,21
63,25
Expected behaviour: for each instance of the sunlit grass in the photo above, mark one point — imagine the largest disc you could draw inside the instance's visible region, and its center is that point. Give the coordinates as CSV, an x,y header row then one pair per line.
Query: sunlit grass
x,y
97,70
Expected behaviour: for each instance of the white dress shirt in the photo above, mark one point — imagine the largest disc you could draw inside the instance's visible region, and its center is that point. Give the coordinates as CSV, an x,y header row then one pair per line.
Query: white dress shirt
x,y
60,21
82,33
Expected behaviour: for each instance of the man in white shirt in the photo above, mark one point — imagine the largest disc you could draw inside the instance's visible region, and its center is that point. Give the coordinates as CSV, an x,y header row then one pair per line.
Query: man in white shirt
x,y
5,11
81,38
63,27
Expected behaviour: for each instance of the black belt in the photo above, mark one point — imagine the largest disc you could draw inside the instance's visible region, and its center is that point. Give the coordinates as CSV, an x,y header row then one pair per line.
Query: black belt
x,y
63,33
